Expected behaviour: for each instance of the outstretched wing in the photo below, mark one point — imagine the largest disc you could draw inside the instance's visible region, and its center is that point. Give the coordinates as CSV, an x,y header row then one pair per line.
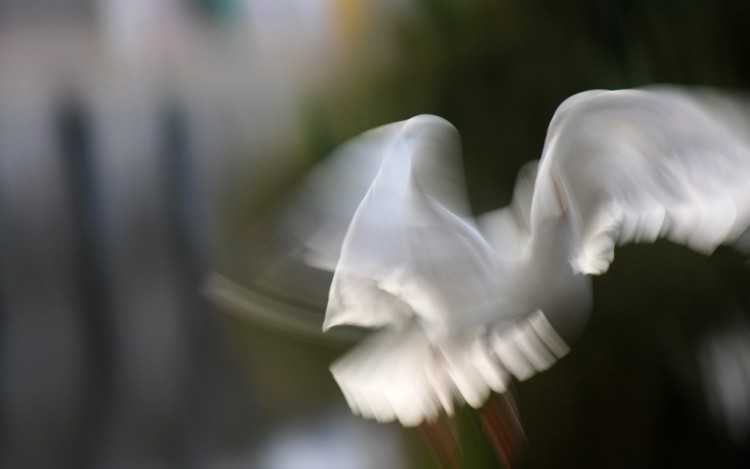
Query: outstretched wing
x,y
323,207
290,275
411,249
636,165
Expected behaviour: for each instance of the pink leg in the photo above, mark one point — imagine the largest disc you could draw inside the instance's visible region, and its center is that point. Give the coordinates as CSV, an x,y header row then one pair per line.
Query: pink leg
x,y
503,428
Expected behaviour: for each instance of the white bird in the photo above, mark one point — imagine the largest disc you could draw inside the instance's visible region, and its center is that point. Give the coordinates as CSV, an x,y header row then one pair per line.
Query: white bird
x,y
464,304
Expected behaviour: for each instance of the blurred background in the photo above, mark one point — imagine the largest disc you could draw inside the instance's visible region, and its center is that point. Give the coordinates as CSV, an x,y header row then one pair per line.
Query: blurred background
x,y
149,317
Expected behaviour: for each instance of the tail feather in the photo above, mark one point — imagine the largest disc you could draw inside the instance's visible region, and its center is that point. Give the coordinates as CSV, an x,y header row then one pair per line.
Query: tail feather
x,y
395,375
400,373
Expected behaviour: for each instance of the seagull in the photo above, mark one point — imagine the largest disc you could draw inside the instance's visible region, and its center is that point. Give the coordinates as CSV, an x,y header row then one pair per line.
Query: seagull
x,y
462,305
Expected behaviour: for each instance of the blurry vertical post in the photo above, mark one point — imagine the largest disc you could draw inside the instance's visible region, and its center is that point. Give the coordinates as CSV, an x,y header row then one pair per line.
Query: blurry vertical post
x,y
92,272
186,194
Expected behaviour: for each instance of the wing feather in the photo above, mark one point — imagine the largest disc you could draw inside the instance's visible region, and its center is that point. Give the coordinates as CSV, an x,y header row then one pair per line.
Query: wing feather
x,y
411,242
322,208
636,165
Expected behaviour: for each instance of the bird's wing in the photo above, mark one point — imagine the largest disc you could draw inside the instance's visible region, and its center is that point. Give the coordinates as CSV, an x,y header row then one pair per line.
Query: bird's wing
x,y
323,207
290,275
636,165
411,249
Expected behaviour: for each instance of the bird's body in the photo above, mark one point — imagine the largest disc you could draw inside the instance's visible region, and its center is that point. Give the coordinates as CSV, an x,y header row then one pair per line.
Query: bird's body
x,y
463,304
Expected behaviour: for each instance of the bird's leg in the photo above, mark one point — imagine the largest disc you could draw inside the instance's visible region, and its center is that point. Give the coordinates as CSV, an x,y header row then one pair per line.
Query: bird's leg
x,y
442,438
501,424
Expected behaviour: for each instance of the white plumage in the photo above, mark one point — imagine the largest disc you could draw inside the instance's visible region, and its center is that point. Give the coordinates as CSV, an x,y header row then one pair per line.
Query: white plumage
x,y
464,304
